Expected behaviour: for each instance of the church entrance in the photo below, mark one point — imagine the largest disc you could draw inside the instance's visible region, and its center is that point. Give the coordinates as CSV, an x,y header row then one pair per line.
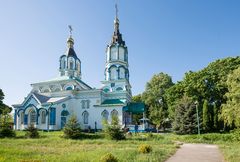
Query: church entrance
x,y
63,121
64,115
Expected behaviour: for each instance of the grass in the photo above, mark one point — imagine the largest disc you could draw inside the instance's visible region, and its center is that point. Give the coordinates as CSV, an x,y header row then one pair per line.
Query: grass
x,y
52,147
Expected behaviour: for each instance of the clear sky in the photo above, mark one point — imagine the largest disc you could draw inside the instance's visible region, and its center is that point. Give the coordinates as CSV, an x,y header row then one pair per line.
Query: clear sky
x,y
170,36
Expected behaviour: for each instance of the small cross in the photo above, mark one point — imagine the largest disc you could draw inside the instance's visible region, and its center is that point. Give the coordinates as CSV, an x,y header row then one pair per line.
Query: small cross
x,y
116,7
70,29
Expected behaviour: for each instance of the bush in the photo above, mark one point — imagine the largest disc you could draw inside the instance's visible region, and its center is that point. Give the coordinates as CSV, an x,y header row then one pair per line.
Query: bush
x,y
72,128
108,158
7,132
144,148
32,132
235,134
113,130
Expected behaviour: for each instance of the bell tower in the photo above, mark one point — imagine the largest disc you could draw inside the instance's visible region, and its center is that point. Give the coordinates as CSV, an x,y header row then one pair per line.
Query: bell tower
x,y
70,64
116,68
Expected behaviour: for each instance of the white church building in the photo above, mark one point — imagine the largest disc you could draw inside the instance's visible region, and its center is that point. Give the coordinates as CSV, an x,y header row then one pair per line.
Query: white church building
x,y
51,103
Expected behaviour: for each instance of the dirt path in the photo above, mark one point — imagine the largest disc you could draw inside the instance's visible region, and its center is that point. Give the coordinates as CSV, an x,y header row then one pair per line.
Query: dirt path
x,y
197,153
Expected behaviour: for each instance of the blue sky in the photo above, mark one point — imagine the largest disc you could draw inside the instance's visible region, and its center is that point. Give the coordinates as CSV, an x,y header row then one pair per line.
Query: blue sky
x,y
170,36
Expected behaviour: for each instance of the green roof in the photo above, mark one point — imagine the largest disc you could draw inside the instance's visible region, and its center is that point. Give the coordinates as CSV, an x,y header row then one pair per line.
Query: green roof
x,y
112,102
135,107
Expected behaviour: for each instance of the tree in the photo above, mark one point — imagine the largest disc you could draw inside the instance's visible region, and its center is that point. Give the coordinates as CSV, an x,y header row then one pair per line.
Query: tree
x,y
230,110
153,97
4,109
113,130
185,116
32,132
207,116
72,128
208,84
5,119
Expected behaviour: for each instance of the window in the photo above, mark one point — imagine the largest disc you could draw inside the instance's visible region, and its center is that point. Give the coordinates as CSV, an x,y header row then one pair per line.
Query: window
x,y
119,89
85,117
64,113
43,117
105,115
52,116
32,117
69,88
122,73
71,65
114,113
106,90
88,103
22,117
83,104
113,73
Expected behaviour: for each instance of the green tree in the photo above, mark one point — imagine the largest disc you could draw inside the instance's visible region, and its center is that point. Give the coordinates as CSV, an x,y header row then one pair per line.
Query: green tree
x,y
5,119
230,110
153,97
185,116
206,116
208,84
215,117
113,130
4,109
32,132
72,128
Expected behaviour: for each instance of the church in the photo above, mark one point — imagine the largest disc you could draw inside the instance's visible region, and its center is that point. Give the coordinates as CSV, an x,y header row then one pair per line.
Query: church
x,y
51,103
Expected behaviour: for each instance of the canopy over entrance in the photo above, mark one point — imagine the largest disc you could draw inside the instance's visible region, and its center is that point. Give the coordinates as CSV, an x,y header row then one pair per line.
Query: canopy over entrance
x,y
135,108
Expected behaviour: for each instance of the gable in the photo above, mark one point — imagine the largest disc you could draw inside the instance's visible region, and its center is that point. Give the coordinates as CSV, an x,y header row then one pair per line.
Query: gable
x,y
30,100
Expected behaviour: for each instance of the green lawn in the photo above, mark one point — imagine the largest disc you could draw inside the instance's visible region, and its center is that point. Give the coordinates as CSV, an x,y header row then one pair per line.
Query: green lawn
x,y
52,147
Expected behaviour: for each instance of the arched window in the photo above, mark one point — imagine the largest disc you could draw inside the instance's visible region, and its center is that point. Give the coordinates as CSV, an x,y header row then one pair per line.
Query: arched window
x,y
45,91
105,115
64,113
113,74
113,53
69,88
121,54
71,65
119,89
22,117
114,113
78,65
43,117
106,90
85,117
122,73
32,116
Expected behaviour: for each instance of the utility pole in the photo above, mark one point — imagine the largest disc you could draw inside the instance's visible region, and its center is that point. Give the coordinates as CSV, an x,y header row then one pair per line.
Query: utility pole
x,y
196,104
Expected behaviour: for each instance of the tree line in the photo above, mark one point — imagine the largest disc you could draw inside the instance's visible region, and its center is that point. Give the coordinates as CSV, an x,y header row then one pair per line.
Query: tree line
x,y
213,91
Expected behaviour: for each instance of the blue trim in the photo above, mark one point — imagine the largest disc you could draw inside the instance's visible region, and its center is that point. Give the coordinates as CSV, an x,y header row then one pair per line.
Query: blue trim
x,y
15,117
25,119
19,111
26,102
52,116
31,105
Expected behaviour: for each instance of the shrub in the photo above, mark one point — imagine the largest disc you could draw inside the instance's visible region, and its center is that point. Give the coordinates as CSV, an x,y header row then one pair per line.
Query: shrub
x,y
108,158
7,132
235,134
113,130
32,132
72,128
144,148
